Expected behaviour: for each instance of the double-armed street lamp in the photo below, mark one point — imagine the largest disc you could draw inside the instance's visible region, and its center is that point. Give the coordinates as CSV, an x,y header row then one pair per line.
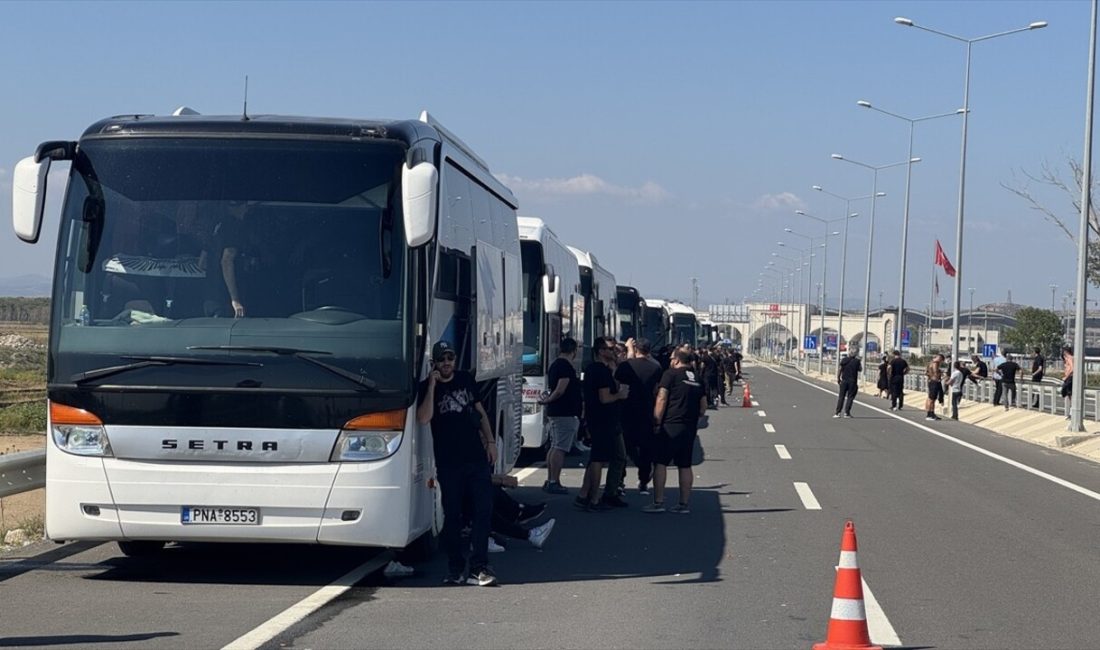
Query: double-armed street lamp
x,y
871,233
824,277
906,22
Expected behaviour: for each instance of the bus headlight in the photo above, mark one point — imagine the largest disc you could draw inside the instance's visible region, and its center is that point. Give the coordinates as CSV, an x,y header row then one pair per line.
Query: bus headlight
x,y
82,440
373,436
358,446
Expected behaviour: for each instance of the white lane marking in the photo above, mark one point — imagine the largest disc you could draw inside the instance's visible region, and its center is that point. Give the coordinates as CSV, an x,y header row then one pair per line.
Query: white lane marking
x,y
807,496
762,414
308,605
782,451
962,443
878,626
770,428
755,403
525,472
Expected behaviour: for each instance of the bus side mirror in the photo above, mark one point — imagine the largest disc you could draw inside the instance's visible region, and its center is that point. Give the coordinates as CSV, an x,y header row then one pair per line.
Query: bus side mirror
x,y
28,197
550,294
418,202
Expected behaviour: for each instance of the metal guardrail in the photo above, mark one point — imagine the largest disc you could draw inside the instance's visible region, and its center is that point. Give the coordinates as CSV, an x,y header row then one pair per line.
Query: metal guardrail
x,y
22,472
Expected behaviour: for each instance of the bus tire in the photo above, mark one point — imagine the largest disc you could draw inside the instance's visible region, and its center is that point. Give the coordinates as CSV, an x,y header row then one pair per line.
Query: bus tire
x,y
140,548
422,548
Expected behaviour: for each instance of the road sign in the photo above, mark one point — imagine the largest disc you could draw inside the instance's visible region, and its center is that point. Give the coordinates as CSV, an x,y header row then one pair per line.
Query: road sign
x,y
905,338
810,343
872,346
830,342
989,350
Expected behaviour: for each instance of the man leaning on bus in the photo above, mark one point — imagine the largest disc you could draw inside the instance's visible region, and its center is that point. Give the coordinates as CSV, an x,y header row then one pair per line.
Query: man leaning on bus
x,y
465,452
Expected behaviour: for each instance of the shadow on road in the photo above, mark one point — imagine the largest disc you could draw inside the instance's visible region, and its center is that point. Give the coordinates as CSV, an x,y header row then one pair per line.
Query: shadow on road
x,y
78,639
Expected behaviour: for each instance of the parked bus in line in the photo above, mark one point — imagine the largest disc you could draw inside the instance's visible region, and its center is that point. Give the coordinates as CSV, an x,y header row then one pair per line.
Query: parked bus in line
x,y
551,287
708,333
600,316
630,305
683,323
242,309
655,323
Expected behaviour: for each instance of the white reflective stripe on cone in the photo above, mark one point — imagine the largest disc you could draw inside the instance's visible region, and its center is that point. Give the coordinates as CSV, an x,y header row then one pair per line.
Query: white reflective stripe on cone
x,y
848,609
848,560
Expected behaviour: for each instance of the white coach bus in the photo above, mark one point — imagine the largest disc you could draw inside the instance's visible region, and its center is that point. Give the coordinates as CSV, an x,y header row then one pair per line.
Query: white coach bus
x,y
551,281
242,310
599,316
683,324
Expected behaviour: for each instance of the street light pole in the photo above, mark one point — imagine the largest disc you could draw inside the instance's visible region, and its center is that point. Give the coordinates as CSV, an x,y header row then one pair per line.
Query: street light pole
x,y
871,233
905,215
970,323
1053,290
1078,396
824,277
962,163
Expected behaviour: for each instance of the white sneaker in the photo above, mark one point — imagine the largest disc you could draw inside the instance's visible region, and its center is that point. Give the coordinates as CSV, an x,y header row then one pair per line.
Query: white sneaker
x,y
537,535
494,547
397,570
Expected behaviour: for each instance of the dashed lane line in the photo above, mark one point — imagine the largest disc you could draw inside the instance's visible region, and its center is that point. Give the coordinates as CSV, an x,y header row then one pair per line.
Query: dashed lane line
x,y
782,451
878,626
770,428
755,403
962,443
807,496
762,414
526,472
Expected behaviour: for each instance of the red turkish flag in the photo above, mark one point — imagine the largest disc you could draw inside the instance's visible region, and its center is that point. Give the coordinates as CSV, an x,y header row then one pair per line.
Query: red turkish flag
x,y
941,260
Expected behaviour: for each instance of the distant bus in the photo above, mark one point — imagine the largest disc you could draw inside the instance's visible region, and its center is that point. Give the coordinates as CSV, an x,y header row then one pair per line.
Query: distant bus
x,y
630,306
655,324
684,324
551,288
242,310
600,315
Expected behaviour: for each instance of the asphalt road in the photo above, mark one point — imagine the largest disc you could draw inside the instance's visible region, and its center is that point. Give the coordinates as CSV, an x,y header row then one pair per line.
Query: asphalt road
x,y
960,549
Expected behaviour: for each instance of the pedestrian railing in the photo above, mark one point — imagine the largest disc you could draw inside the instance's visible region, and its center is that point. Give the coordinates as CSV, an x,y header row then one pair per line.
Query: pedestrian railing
x,y
1041,397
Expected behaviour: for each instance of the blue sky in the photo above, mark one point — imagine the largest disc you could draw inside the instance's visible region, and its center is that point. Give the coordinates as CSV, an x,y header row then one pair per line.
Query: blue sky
x,y
672,139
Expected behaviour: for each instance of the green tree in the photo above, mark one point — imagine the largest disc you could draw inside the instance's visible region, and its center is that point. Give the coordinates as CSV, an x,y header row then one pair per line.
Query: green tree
x,y
1035,328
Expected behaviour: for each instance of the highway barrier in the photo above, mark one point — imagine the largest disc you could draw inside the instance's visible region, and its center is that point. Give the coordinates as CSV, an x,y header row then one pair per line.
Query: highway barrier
x,y
22,472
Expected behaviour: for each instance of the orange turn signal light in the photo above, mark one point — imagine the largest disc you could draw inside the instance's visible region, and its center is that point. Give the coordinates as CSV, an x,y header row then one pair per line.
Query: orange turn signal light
x,y
61,414
384,421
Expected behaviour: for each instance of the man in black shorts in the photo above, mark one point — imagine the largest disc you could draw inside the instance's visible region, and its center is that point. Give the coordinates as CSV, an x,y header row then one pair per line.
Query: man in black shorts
x,y
642,373
934,373
681,399
602,395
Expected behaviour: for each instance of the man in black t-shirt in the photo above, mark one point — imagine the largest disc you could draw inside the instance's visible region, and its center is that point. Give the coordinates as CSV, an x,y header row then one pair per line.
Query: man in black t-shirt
x,y
1038,368
847,377
896,373
642,373
602,395
465,452
1008,371
563,412
681,400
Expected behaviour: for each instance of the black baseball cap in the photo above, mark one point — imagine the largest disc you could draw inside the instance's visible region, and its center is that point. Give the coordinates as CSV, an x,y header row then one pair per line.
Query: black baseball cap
x,y
441,348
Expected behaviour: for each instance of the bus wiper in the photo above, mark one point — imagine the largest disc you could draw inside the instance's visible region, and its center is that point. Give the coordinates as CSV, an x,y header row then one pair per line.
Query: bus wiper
x,y
147,361
363,381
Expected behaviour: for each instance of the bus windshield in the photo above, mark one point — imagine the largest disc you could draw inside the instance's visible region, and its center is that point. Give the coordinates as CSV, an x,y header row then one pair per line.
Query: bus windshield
x,y
210,248
531,254
683,327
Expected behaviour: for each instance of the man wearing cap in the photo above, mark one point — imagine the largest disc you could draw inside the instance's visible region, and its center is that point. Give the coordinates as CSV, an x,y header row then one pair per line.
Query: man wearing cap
x,y
465,453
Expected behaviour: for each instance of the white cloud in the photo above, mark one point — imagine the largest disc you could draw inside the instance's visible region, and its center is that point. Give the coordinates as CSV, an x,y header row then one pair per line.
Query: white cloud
x,y
781,201
585,185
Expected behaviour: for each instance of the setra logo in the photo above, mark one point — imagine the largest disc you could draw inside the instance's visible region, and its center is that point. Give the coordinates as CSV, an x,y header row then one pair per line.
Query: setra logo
x,y
220,445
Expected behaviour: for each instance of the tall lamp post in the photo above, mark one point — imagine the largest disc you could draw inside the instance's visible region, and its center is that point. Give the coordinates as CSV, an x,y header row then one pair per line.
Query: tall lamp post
x,y
824,277
1053,290
970,325
905,22
871,232
790,316
844,257
1077,398
905,215
806,260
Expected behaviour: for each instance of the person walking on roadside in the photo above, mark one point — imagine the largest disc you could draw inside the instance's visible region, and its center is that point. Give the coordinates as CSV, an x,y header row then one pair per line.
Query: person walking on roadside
x,y
898,369
958,377
998,383
934,374
681,400
883,383
563,411
1008,371
847,377
1067,378
465,453
1038,368
637,413
602,395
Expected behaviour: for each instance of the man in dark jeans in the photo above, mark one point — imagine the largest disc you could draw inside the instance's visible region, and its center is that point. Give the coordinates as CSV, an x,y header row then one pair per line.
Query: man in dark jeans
x,y
847,377
642,373
896,372
1038,367
602,394
1008,371
465,452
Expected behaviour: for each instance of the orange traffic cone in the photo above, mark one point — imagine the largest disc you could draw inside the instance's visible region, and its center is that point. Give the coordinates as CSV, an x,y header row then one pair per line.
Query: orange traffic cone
x,y
848,620
746,400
